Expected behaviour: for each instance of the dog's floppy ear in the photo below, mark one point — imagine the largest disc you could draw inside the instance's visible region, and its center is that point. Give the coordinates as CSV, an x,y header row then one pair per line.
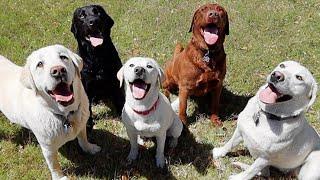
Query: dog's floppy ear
x,y
120,75
192,22
26,76
313,94
106,18
74,29
161,76
77,61
226,26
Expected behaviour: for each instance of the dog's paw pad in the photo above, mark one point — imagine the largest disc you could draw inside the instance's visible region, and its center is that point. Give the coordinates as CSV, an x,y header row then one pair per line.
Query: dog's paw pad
x,y
217,153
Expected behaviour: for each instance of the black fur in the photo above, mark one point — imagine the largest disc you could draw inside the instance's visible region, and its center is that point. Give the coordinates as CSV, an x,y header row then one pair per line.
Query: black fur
x,y
101,63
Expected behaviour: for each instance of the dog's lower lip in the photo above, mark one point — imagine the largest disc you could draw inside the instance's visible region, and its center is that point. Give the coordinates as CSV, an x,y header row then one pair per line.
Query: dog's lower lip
x,y
69,95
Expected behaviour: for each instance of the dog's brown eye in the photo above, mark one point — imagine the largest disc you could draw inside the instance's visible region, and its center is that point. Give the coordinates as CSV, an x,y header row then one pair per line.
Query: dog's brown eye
x,y
299,78
63,57
150,67
40,64
131,65
282,66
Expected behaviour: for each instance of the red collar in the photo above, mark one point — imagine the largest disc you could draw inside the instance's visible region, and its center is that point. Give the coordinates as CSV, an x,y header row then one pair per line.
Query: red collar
x,y
153,108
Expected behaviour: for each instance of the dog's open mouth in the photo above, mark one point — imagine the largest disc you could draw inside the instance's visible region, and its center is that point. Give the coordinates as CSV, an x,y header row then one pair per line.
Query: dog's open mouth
x,y
63,94
139,89
271,95
210,33
95,41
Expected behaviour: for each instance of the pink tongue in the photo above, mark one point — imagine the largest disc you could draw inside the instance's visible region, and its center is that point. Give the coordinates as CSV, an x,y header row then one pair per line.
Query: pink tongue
x,y
63,98
62,93
268,96
138,90
96,41
210,38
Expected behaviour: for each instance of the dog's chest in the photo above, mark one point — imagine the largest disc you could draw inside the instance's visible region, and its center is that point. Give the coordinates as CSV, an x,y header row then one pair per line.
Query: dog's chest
x,y
57,130
276,140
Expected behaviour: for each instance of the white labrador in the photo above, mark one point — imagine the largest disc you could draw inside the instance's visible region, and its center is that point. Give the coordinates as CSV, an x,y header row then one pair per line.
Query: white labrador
x,y
147,112
274,128
47,97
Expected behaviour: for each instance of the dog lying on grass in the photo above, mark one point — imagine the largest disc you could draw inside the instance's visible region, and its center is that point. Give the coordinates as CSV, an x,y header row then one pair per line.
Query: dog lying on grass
x,y
274,128
147,112
47,97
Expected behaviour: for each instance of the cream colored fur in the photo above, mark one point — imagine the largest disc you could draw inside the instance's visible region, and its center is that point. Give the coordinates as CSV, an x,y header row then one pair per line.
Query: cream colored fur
x,y
24,101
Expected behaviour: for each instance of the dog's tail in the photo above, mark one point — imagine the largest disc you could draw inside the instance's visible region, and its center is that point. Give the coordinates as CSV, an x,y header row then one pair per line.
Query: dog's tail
x,y
175,105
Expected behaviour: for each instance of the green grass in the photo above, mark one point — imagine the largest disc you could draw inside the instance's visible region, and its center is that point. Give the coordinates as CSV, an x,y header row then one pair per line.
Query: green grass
x,y
262,34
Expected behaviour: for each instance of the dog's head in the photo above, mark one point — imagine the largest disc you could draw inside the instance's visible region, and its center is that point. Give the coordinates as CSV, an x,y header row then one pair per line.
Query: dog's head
x,y
141,75
91,24
209,25
51,72
290,89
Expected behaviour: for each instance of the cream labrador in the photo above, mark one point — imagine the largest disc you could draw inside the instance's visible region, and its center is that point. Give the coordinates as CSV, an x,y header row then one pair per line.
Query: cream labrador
x,y
147,112
47,97
274,128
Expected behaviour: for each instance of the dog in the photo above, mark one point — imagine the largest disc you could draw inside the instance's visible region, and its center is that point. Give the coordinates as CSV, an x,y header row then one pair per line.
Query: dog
x,y
147,112
47,97
199,69
274,128
91,26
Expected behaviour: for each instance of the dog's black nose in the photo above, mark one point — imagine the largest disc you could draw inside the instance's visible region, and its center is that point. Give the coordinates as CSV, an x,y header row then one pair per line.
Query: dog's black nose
x,y
58,71
213,14
277,77
139,70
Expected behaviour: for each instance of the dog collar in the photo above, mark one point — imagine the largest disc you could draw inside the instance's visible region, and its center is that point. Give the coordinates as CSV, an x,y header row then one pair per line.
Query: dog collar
x,y
153,108
65,119
271,116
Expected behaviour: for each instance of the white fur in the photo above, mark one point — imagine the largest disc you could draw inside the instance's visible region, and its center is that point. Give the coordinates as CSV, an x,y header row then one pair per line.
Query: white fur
x,y
24,100
289,144
159,123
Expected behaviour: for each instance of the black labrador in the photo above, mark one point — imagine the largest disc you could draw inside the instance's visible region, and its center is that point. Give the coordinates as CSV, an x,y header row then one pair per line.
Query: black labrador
x,y
91,27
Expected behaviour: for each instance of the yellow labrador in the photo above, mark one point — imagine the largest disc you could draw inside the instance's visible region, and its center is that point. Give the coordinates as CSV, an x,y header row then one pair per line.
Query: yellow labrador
x,y
274,128
47,97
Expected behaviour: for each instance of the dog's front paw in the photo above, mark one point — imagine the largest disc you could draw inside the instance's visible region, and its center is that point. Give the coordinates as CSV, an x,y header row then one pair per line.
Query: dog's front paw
x,y
237,177
160,161
218,152
92,148
64,178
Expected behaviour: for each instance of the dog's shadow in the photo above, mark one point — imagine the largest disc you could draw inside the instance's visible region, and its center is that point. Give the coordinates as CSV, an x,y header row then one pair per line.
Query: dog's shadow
x,y
111,162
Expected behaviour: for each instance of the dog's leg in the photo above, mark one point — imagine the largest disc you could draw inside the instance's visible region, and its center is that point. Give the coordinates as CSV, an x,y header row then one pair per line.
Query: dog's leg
x,y
134,149
84,143
175,131
215,102
310,170
183,100
160,160
234,141
257,166
90,122
264,172
51,157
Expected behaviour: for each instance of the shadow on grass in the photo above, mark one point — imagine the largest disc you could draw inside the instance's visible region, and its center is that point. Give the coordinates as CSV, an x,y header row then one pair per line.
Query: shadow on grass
x,y
111,162
230,105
